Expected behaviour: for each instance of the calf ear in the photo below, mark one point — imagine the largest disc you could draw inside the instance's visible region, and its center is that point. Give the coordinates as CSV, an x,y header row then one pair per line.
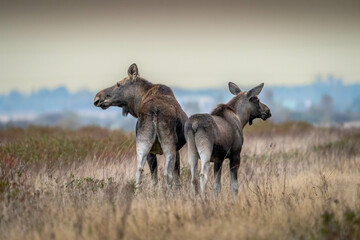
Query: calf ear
x,y
133,71
255,91
234,89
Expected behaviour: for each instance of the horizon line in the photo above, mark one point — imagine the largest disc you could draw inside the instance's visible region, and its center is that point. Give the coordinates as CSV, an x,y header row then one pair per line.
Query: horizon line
x,y
329,80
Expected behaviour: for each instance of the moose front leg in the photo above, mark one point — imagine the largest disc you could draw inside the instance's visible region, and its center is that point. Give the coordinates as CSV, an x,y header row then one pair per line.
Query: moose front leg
x,y
177,171
234,167
152,162
217,175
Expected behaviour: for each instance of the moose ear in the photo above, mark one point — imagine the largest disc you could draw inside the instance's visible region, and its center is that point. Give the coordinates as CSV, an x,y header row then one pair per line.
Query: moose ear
x,y
133,71
234,89
255,91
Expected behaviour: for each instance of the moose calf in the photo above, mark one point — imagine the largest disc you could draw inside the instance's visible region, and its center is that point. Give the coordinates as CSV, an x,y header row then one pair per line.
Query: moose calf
x,y
219,135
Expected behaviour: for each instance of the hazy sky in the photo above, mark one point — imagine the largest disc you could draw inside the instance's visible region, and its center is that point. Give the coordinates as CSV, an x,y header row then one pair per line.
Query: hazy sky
x,y
85,44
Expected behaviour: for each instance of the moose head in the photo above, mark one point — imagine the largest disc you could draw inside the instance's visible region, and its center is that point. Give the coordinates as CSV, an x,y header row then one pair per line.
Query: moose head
x,y
126,93
248,103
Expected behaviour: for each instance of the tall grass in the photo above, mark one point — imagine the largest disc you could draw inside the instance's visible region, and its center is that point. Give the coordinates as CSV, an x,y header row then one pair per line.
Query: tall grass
x,y
296,182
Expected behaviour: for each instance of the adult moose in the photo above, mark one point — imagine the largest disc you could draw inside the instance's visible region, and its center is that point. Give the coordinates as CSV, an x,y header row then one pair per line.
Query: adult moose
x,y
219,135
160,124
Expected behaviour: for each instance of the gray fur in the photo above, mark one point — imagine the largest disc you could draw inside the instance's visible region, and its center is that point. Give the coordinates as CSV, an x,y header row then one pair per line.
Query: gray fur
x,y
217,136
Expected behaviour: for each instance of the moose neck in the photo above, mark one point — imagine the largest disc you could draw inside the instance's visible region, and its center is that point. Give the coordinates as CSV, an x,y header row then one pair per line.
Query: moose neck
x,y
241,112
244,119
141,88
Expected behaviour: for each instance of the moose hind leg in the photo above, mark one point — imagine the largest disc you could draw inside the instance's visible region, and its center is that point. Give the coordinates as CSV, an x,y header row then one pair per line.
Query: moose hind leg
x,y
167,138
152,162
145,138
142,149
234,167
170,158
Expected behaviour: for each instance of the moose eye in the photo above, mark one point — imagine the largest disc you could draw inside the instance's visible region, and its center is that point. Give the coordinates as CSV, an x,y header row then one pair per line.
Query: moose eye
x,y
254,99
118,84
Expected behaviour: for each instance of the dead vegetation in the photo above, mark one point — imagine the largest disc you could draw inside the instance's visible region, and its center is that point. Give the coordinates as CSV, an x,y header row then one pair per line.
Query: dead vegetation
x,y
65,184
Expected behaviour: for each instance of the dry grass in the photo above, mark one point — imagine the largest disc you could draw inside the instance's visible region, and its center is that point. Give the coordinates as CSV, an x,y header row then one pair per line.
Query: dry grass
x,y
295,182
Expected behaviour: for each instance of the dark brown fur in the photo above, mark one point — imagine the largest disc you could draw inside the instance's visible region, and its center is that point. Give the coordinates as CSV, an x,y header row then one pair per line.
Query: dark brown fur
x,y
220,110
160,125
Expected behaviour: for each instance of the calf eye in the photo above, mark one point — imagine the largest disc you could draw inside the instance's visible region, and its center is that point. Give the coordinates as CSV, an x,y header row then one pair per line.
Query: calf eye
x,y
118,84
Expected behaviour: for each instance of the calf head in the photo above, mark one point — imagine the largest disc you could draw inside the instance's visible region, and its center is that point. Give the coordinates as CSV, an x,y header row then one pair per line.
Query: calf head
x,y
125,93
247,104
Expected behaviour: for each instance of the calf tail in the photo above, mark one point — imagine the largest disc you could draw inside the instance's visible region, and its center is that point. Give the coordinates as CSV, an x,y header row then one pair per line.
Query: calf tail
x,y
190,139
190,130
191,125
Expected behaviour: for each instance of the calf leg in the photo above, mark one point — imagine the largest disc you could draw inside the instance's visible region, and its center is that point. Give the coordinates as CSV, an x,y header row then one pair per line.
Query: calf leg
x,y
205,166
193,162
204,147
217,175
234,167
152,162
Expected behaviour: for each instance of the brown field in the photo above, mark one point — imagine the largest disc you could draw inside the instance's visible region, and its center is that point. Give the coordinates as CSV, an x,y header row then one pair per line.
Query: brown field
x,y
296,182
